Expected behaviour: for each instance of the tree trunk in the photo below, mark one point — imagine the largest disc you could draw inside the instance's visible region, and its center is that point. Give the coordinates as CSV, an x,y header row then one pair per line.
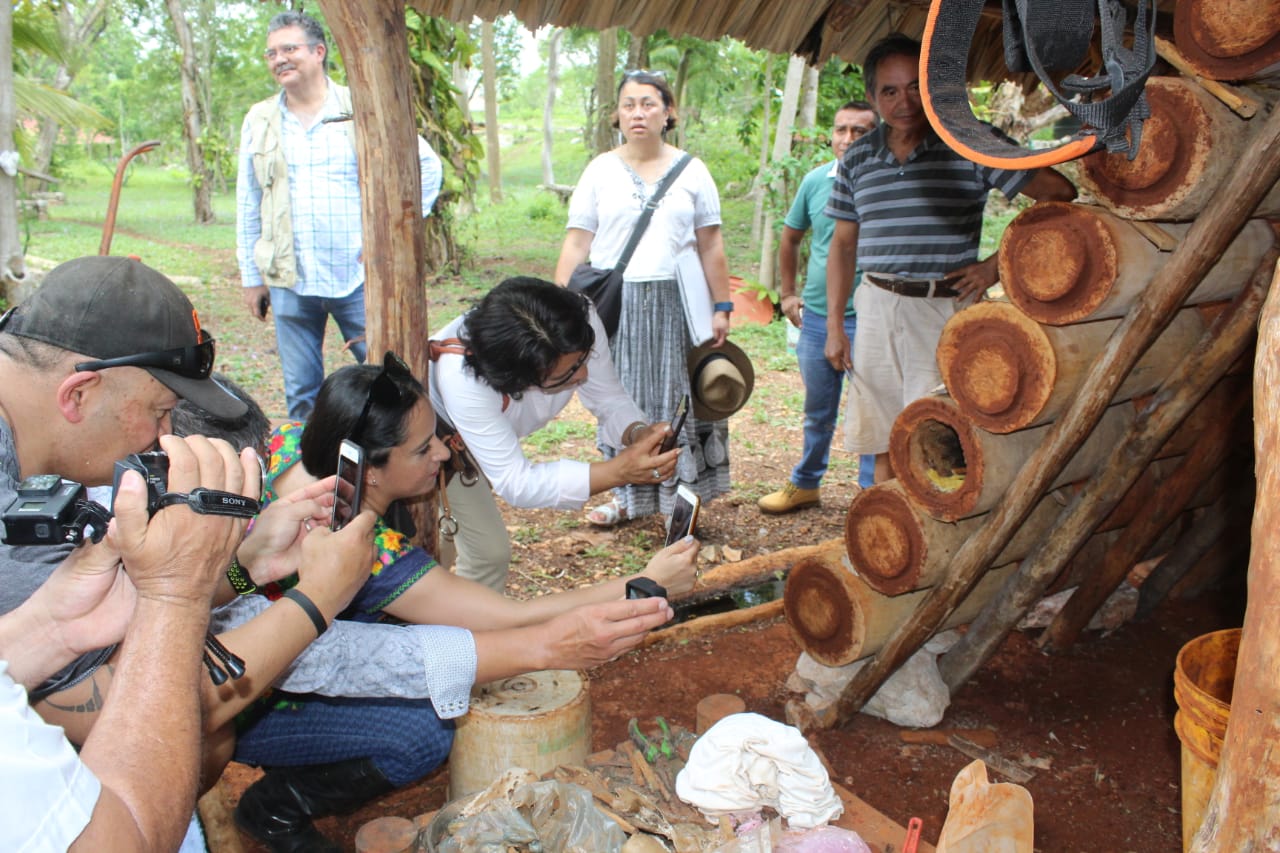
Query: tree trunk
x,y
781,148
548,130
606,61
464,91
757,190
81,34
682,81
1241,814
391,195
808,116
12,269
192,118
638,52
493,154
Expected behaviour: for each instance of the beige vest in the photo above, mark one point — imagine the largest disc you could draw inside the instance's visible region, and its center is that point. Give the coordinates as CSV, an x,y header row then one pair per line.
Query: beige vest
x,y
273,252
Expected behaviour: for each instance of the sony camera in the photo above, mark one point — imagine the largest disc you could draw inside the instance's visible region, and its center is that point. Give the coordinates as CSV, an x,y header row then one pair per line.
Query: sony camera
x,y
154,468
47,511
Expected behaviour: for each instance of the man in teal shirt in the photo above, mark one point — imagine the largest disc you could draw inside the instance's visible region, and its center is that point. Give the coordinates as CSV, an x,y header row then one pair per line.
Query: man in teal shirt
x,y
822,383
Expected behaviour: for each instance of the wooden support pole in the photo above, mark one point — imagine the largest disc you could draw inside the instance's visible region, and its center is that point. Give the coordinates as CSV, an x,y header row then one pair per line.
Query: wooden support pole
x,y
1256,172
1205,533
1214,447
1241,814
1203,367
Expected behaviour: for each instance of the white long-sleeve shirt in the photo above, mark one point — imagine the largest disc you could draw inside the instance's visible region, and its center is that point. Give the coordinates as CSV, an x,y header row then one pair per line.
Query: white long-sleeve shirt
x,y
493,435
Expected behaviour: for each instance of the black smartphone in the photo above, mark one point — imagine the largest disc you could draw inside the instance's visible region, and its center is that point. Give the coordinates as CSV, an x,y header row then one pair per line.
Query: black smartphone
x,y
264,305
684,514
349,487
677,424
642,587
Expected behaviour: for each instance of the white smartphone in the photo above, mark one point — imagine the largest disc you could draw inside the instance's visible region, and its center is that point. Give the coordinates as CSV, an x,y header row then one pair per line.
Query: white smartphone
x,y
349,487
684,515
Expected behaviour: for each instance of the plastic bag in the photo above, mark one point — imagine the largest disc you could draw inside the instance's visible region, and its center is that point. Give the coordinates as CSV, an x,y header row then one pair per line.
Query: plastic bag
x,y
546,816
822,839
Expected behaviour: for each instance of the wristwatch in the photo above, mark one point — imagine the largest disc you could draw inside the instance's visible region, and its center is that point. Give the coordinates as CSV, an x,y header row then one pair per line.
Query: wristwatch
x,y
726,307
239,578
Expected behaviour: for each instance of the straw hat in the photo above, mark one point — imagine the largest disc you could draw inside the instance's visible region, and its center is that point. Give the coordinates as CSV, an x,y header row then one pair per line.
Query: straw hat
x,y
720,380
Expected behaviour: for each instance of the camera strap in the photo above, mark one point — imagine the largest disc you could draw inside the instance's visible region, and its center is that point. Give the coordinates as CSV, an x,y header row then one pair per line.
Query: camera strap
x,y
211,502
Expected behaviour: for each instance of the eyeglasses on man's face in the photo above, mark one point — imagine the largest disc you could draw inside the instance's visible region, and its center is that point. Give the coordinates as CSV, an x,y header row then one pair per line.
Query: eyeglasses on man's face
x,y
383,390
285,50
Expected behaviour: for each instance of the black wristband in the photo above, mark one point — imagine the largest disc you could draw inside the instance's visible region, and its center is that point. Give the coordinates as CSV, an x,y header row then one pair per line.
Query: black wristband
x,y
238,577
308,606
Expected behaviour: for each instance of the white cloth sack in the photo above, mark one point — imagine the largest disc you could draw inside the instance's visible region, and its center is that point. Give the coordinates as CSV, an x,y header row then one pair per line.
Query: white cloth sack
x,y
748,761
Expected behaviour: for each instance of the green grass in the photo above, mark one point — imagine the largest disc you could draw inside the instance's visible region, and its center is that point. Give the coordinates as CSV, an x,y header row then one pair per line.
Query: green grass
x,y
548,442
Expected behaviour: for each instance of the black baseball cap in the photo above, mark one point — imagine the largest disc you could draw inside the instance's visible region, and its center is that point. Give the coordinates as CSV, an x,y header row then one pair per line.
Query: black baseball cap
x,y
124,313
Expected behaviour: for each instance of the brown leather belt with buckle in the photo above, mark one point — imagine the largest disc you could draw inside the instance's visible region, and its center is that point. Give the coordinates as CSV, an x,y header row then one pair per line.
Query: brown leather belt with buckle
x,y
915,287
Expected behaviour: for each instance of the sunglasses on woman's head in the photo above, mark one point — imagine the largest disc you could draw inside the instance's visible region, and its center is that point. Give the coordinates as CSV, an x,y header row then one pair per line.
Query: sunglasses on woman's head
x,y
644,72
383,390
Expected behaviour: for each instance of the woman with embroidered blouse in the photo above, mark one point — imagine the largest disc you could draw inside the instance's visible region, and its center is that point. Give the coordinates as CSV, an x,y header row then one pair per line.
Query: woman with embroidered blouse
x,y
387,412
652,344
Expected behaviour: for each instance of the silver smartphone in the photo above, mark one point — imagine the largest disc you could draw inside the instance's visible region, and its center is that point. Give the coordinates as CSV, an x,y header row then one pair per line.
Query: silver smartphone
x,y
349,487
684,514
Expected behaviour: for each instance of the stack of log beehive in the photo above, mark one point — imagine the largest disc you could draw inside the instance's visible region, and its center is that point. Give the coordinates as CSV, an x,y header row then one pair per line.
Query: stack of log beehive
x,y
1071,273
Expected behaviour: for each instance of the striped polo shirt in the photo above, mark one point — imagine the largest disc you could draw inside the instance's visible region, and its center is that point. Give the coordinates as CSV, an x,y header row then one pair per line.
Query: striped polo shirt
x,y
921,218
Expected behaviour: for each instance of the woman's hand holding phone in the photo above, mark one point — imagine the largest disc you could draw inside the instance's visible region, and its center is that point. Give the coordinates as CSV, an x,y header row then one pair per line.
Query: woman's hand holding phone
x,y
638,462
675,567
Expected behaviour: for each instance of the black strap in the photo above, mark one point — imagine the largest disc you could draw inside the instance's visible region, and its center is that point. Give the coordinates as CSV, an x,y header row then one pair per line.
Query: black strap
x,y
1041,27
211,502
649,207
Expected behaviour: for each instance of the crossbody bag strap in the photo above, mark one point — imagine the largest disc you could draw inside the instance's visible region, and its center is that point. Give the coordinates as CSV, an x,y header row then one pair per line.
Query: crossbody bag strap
x,y
649,207
453,346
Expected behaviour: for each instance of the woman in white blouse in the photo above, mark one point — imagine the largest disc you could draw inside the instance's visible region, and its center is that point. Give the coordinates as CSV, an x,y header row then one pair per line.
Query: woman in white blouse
x,y
507,368
652,344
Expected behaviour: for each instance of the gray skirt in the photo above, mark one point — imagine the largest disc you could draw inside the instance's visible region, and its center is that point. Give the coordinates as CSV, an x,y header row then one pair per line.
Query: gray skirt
x,y
651,352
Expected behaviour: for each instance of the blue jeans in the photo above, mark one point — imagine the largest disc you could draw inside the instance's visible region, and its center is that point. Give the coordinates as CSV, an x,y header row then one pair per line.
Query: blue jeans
x,y
403,737
822,387
300,323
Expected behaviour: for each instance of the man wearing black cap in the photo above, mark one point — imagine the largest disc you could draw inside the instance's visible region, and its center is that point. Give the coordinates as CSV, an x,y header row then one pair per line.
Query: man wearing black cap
x,y
90,368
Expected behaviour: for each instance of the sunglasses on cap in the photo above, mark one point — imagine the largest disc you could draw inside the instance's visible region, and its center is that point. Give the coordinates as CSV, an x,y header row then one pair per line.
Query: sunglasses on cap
x,y
191,362
383,390
644,72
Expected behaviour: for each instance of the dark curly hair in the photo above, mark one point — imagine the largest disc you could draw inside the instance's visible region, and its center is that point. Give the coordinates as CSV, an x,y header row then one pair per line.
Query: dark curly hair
x,y
516,333
338,405
658,81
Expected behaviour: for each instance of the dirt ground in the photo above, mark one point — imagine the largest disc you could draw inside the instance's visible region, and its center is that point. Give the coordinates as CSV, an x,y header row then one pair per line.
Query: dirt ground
x,y
1095,725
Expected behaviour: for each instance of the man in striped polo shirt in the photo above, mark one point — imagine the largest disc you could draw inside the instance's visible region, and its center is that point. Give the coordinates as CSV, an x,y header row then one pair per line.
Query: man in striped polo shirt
x,y
908,210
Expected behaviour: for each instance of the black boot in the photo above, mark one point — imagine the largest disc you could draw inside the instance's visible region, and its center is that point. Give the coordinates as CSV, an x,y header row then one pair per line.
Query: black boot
x,y
279,808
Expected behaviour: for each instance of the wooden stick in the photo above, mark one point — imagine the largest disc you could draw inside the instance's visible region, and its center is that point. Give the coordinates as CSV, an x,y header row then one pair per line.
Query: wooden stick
x,y
1204,365
1245,106
1215,445
1186,552
998,763
1255,173
1157,236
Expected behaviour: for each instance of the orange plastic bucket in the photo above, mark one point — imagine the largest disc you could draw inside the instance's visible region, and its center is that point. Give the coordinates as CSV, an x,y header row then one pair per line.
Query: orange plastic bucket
x,y
1203,677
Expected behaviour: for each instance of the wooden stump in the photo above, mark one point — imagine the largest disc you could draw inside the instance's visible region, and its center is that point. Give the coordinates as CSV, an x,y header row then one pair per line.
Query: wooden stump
x,y
1007,372
1190,145
837,617
1065,263
1228,39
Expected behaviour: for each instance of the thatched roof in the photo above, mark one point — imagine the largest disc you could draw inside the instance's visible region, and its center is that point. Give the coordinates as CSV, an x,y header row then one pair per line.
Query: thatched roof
x,y
815,29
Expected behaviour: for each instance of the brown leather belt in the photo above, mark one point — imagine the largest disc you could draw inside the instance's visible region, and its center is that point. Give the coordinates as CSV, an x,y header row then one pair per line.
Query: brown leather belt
x,y
915,287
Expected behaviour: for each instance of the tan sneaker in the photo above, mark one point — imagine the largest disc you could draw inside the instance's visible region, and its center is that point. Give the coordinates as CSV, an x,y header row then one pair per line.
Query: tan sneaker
x,y
787,498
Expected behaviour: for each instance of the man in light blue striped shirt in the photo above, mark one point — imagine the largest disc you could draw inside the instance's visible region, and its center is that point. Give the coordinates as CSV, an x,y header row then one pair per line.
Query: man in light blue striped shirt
x,y
908,211
298,230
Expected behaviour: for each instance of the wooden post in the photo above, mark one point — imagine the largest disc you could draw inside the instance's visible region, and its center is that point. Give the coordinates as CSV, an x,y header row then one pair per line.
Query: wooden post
x,y
1212,450
1205,533
375,47
1241,815
374,42
1203,366
1256,171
